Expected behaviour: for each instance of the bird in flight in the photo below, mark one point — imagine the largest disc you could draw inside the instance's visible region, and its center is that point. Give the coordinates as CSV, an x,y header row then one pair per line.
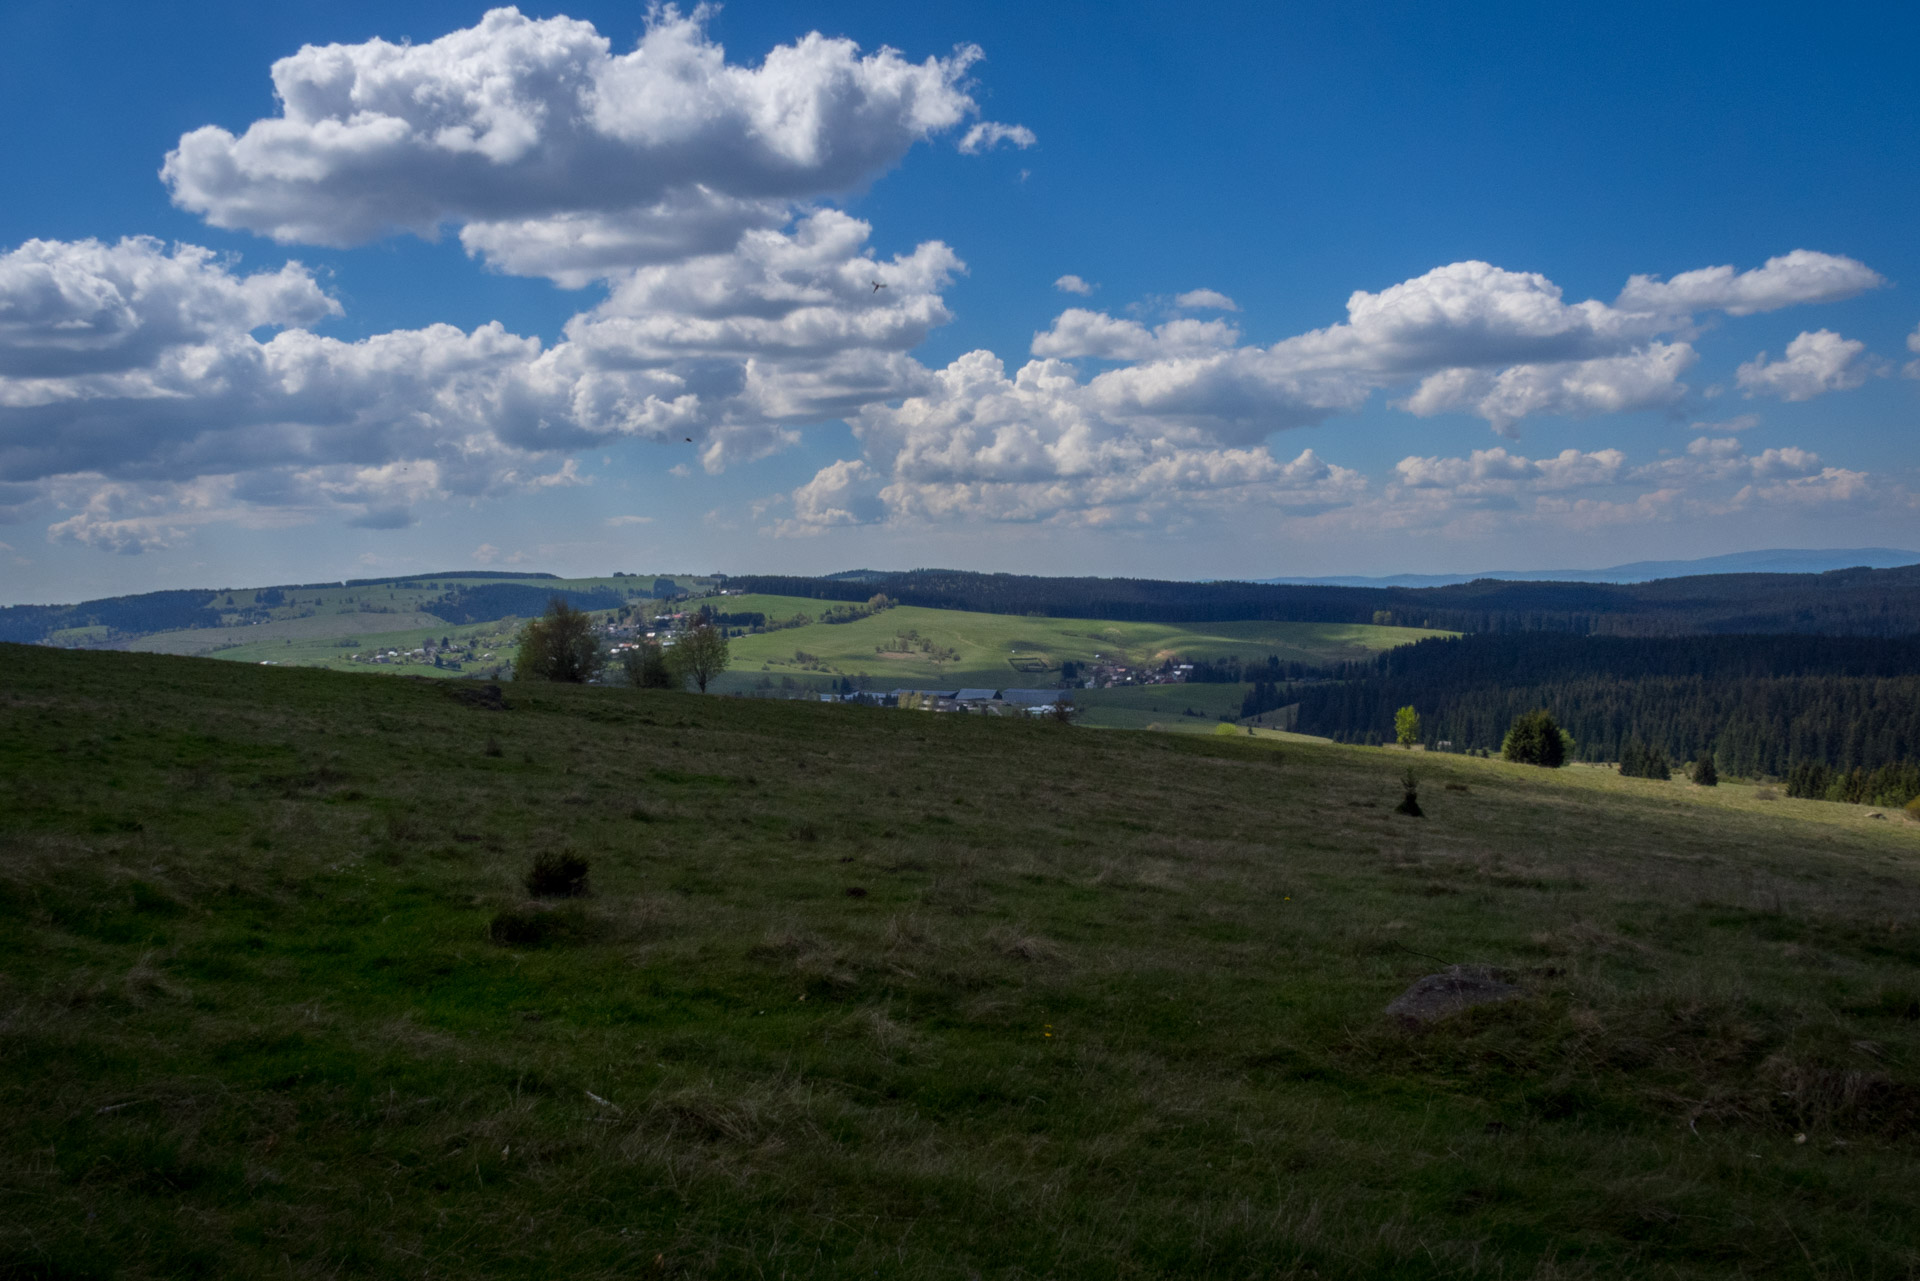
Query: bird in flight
x,y
877,286
689,440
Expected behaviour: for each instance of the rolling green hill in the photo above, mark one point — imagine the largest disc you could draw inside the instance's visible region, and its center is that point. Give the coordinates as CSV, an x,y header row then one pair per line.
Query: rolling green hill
x,y
862,993
908,646
201,622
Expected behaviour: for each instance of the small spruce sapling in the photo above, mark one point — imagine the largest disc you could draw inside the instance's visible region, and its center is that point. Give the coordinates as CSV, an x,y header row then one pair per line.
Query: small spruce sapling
x,y
1704,774
1410,802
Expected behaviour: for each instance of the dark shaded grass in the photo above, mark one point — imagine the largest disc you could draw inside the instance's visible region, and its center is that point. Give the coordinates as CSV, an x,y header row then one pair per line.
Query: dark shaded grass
x,y
1110,1006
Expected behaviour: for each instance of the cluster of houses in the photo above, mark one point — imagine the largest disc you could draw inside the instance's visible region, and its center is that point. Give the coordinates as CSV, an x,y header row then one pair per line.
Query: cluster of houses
x,y
631,633
1110,675
452,655
985,702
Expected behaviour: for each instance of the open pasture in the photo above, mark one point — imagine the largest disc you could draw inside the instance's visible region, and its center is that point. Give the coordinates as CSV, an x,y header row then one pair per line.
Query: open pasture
x,y
861,992
1000,650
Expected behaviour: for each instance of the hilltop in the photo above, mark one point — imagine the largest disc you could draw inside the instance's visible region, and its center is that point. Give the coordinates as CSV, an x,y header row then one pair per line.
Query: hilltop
x,y
863,992
1778,560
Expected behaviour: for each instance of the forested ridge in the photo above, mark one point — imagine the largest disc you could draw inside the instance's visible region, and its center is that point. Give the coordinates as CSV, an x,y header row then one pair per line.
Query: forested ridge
x,y
1846,602
1761,704
142,614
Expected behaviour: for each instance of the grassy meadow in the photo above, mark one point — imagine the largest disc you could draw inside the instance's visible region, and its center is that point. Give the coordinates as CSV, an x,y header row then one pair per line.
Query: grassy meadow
x,y
875,993
1001,650
1162,707
306,624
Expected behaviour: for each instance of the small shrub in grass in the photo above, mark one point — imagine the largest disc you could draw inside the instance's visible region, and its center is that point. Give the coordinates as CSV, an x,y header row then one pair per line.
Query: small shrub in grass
x,y
1913,807
1410,802
562,875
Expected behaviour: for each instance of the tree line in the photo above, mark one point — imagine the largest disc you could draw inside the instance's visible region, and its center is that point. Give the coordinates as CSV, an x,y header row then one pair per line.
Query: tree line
x,y
1761,705
1846,602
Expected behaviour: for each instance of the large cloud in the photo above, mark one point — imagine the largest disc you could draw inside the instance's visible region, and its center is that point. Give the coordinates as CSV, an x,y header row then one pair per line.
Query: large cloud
x,y
1803,276
1502,344
86,307
1040,446
137,365
1470,336
1640,379
1590,490
558,157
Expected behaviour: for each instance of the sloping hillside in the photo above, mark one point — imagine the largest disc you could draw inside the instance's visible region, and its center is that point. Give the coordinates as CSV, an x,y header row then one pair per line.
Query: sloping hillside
x,y
888,993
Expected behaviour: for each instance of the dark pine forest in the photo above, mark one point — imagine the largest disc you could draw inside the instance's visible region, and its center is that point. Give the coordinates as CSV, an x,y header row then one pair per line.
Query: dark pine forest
x,y
1762,705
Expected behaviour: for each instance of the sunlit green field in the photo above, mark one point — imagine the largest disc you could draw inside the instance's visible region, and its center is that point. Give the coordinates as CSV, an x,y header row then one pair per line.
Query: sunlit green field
x,y
1001,650
336,654
308,621
867,993
1159,707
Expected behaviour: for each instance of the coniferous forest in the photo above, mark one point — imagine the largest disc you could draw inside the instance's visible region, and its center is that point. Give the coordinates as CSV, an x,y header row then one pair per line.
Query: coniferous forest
x,y
1832,708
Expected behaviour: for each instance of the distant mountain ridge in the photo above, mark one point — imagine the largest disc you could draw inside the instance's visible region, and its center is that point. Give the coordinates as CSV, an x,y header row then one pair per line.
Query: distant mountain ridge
x,y
1840,602
1779,560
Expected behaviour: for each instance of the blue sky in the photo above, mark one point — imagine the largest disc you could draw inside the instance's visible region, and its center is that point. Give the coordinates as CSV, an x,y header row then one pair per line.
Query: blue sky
x,y
1269,290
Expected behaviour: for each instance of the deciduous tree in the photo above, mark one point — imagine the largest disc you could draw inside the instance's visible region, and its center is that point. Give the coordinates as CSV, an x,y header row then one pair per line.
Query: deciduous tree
x,y
647,667
558,646
699,655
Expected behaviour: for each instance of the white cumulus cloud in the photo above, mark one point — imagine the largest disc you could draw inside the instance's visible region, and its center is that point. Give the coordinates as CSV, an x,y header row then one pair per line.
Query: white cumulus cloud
x,y
1037,446
1071,284
86,307
1803,276
1640,379
556,156
1078,332
1814,363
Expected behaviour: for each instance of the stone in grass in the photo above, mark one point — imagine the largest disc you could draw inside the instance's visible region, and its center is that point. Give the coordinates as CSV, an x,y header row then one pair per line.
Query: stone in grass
x,y
1457,988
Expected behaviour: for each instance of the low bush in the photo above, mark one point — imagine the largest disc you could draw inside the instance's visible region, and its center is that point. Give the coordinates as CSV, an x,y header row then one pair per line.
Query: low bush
x,y
557,875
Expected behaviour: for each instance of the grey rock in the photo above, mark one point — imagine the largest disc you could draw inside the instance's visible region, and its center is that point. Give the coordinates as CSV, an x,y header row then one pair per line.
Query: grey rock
x,y
1459,987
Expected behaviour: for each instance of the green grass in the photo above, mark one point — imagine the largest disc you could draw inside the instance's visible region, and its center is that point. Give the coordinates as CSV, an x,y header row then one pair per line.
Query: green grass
x,y
497,637
312,618
1159,706
985,648
1110,1005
